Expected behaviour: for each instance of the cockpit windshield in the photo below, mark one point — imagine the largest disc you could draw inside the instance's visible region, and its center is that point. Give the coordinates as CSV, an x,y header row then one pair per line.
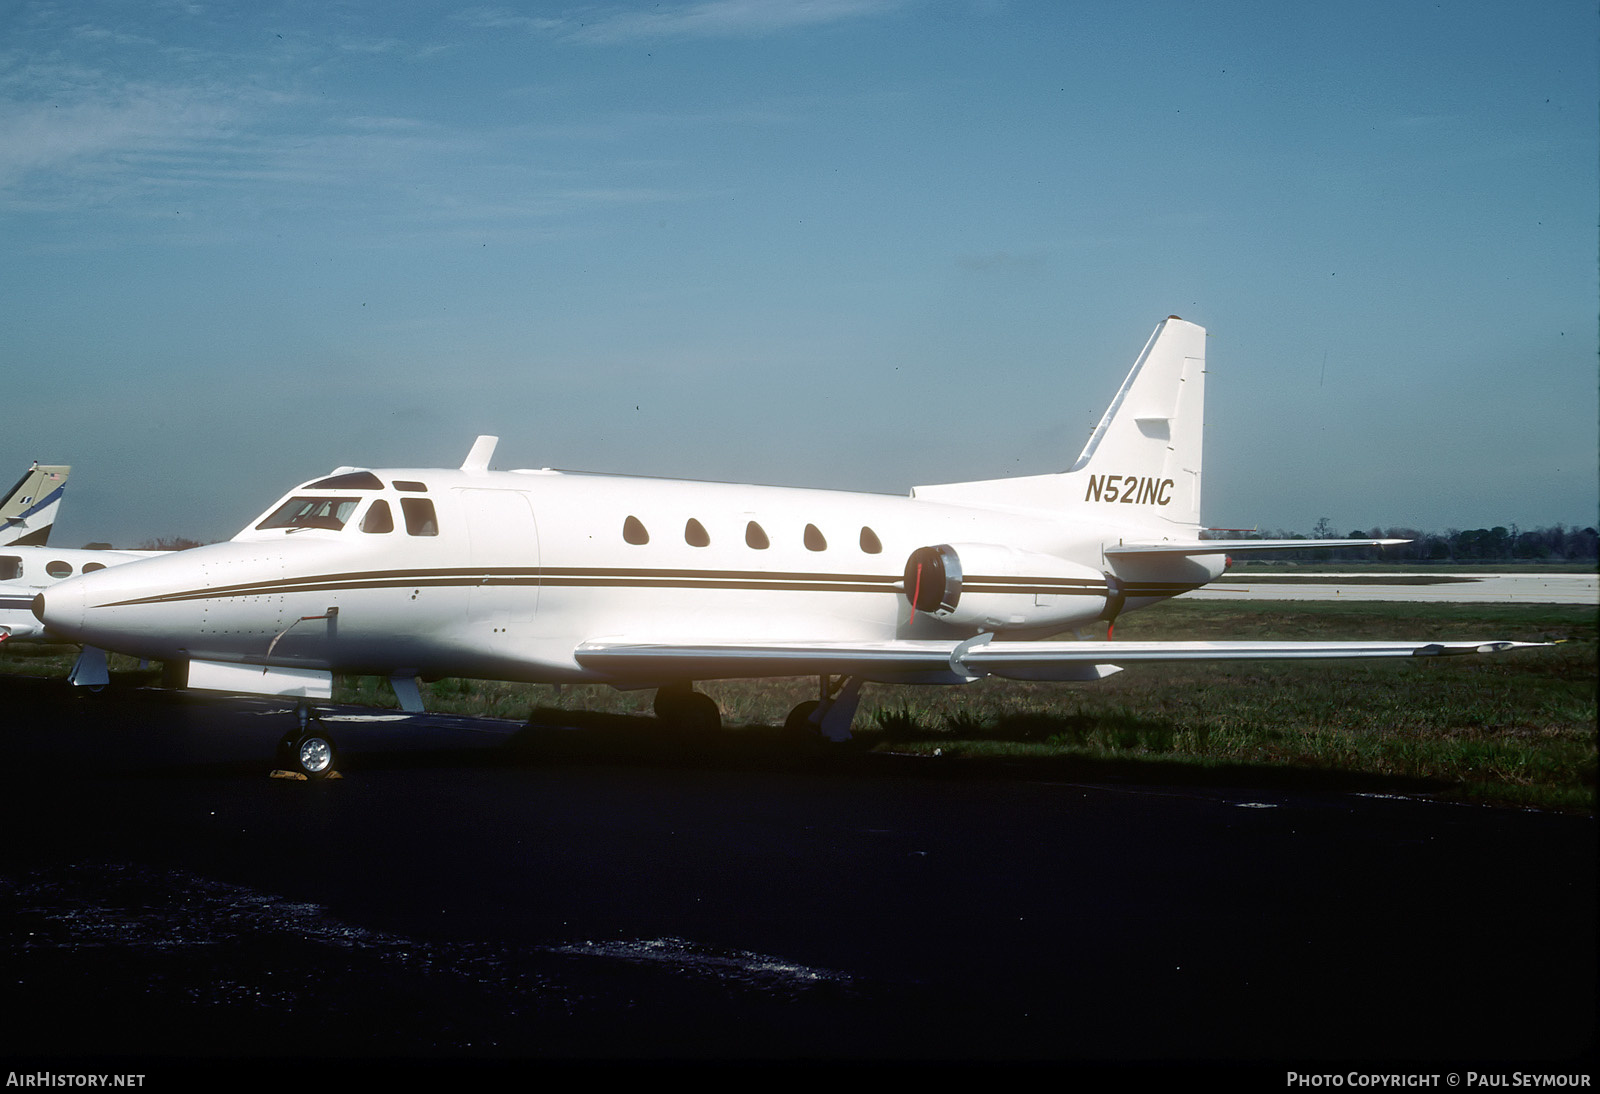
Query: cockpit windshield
x,y
331,513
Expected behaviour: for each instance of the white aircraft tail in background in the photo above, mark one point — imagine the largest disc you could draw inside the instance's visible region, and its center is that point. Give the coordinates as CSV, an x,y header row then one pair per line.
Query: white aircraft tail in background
x,y
29,510
556,576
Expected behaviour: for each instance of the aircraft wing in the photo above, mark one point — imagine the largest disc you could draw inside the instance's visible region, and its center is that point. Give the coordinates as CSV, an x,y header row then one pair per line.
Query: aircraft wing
x,y
1236,546
934,661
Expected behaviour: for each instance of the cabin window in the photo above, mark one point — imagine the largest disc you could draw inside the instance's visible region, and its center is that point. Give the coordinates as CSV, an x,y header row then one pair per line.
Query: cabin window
x,y
869,542
815,541
93,566
420,518
379,518
330,513
756,537
409,487
10,567
57,568
355,480
695,534
633,531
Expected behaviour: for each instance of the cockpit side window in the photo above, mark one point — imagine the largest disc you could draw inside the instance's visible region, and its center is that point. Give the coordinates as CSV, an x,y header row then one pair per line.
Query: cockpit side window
x,y
378,518
330,513
420,517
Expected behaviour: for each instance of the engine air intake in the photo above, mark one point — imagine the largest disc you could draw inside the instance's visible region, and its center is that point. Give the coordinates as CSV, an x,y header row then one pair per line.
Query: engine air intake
x,y
933,579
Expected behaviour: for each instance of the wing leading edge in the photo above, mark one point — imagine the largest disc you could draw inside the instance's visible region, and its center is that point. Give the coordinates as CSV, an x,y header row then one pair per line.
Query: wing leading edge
x,y
931,661
1237,546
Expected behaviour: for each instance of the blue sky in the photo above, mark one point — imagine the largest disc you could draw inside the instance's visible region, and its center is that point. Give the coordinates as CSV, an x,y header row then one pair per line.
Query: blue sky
x,y
855,243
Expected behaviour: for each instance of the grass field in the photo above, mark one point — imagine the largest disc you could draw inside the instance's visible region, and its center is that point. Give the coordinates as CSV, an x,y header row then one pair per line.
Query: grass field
x,y
1516,728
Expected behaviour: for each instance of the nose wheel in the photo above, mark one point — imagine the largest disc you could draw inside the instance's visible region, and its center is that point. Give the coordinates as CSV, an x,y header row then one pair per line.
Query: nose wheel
x,y
308,750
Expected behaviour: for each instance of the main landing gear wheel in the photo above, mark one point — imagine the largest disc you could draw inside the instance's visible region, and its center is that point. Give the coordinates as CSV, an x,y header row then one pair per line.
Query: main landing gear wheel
x,y
688,711
799,726
826,718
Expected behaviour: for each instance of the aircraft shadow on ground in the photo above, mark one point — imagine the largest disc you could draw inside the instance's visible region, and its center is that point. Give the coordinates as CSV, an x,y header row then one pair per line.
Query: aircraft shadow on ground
x,y
553,736
563,736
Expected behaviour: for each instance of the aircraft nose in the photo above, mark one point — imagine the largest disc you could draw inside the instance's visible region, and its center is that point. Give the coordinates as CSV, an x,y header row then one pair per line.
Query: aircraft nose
x,y
61,608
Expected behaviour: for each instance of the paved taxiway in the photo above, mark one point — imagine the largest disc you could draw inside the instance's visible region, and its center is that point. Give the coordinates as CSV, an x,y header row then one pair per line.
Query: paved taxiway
x,y
468,893
1429,587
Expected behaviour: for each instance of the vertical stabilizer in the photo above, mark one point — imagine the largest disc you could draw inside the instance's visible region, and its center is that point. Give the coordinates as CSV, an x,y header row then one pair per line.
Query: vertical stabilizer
x,y
28,512
1142,463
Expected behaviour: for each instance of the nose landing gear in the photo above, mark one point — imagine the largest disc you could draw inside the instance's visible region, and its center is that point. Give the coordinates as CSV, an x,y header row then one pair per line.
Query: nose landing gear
x,y
308,751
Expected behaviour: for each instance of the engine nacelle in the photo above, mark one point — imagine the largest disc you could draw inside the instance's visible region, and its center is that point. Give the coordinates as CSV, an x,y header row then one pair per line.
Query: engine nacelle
x,y
988,586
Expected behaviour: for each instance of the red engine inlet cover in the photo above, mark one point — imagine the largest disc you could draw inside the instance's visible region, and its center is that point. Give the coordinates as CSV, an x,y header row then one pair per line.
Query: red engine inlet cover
x,y
933,579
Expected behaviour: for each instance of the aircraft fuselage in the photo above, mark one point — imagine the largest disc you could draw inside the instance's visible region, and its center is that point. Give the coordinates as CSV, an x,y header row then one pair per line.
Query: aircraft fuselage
x,y
502,575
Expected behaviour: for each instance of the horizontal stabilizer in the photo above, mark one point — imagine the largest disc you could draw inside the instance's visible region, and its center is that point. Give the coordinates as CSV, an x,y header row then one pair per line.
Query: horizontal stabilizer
x,y
1237,546
929,659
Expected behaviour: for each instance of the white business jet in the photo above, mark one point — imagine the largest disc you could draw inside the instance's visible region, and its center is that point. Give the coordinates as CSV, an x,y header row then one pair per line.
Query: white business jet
x,y
27,565
555,576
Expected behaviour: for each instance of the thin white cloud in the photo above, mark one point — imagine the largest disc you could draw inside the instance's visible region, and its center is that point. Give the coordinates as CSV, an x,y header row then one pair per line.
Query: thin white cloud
x,y
143,152
79,139
701,19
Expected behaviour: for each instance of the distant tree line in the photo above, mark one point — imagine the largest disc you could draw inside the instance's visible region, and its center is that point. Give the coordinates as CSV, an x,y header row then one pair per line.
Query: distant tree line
x,y
166,543
1557,543
170,543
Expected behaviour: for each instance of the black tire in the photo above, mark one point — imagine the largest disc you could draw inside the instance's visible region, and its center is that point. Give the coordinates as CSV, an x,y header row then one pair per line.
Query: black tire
x,y
284,756
688,712
799,725
668,702
701,714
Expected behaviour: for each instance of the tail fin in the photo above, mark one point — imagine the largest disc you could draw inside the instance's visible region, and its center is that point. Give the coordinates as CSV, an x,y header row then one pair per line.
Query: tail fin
x,y
28,511
1142,463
